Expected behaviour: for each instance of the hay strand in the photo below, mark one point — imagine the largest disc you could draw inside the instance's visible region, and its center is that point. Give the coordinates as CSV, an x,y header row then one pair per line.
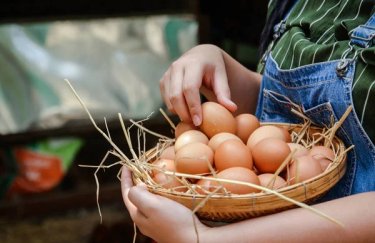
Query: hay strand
x,y
167,118
261,188
140,165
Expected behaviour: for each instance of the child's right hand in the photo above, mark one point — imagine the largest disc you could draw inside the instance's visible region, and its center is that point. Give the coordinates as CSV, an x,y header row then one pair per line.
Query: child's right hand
x,y
203,69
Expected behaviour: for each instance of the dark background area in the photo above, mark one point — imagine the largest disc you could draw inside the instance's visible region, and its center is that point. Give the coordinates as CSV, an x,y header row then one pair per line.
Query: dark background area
x,y
235,26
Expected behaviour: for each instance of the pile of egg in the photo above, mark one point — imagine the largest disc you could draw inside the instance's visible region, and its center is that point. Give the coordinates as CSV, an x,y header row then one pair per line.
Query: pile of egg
x,y
236,148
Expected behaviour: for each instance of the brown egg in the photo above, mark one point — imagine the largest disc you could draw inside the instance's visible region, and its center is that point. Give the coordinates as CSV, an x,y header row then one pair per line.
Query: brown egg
x,y
263,132
269,154
239,174
266,178
300,150
191,136
168,153
233,153
286,133
216,140
324,155
163,165
206,186
194,158
246,125
216,119
303,168
183,127
169,182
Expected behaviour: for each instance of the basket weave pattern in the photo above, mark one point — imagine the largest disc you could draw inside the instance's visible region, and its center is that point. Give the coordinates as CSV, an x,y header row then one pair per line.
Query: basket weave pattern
x,y
229,208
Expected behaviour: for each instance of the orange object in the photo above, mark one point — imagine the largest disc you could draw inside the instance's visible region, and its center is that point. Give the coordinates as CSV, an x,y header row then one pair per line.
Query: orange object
x,y
37,172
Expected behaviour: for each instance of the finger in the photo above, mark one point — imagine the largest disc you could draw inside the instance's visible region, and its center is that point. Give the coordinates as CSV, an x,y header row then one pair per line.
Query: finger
x,y
177,98
126,178
191,84
126,184
125,187
164,90
208,93
146,202
221,89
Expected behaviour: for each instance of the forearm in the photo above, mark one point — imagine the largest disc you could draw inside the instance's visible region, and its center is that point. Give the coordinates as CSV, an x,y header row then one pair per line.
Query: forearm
x,y
243,83
356,213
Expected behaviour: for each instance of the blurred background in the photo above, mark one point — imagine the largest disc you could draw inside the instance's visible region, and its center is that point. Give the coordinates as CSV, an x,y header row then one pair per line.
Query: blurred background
x,y
114,53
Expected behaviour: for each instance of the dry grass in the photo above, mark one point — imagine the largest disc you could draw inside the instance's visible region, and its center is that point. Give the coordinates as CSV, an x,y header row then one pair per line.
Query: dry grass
x,y
140,166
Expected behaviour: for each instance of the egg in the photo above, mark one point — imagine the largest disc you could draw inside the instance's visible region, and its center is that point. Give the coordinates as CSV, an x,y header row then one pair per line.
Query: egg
x,y
303,168
239,174
299,149
169,182
246,125
194,158
232,153
163,165
269,154
217,139
183,127
206,186
191,136
324,155
216,119
267,131
267,178
286,133
168,153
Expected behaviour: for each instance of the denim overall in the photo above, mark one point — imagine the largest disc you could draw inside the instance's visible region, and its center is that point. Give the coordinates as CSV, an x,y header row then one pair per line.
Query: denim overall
x,y
324,90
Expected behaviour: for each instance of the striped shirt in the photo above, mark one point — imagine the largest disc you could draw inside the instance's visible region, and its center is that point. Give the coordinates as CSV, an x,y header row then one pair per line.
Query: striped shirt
x,y
318,31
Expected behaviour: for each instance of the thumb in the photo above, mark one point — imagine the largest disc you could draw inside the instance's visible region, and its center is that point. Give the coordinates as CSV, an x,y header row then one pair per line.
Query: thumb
x,y
126,178
146,202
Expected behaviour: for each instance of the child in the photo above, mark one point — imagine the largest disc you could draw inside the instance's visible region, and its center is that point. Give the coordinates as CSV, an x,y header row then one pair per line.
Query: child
x,y
320,57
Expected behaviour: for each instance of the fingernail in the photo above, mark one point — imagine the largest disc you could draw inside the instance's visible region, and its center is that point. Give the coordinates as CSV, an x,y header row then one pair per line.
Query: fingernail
x,y
196,120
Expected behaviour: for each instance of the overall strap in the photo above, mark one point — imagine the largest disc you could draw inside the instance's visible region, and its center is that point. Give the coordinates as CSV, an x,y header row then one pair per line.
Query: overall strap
x,y
364,35
278,30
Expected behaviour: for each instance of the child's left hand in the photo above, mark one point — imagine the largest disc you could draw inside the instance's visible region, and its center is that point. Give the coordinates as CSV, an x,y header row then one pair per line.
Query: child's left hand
x,y
158,217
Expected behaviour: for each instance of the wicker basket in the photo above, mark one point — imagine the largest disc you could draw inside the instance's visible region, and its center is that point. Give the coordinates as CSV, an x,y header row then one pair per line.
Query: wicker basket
x,y
239,207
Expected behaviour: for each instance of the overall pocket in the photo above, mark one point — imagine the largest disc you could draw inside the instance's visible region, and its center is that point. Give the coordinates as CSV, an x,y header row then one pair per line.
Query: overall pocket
x,y
278,108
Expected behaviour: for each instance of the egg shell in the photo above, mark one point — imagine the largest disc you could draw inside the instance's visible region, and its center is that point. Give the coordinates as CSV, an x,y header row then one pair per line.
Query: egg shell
x,y
194,158
216,119
239,174
163,165
266,178
285,131
269,154
267,131
299,149
246,124
324,155
169,182
183,127
168,153
233,153
303,168
219,138
206,186
191,136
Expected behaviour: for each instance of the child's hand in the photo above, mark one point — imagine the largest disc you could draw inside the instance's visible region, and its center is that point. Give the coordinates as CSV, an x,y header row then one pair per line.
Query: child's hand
x,y
201,68
158,217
